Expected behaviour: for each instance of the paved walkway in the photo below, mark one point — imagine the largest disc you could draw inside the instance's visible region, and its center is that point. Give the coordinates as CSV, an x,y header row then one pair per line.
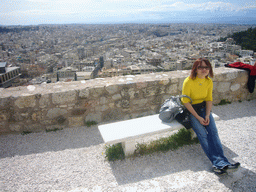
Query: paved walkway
x,y
73,160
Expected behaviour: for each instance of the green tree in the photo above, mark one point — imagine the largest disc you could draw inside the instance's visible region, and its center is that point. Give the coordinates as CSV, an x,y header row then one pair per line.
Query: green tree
x,y
246,39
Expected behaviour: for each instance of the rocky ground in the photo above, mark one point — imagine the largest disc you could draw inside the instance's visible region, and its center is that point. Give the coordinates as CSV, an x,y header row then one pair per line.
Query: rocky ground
x,y
73,160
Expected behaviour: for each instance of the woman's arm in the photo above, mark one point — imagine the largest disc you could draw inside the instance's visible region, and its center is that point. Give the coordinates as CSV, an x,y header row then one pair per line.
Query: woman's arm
x,y
208,107
208,111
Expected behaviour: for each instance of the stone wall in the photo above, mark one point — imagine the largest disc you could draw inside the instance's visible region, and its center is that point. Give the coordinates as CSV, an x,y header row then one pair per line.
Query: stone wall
x,y
60,105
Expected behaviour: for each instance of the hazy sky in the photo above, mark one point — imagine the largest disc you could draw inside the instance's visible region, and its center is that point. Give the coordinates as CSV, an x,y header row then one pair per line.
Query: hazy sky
x,y
32,12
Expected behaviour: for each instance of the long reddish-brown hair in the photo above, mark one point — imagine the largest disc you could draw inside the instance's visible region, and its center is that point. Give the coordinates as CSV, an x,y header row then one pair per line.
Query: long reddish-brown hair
x,y
198,63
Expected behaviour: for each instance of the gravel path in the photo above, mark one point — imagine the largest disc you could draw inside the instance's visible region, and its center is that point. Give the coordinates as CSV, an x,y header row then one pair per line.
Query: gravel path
x,y
73,160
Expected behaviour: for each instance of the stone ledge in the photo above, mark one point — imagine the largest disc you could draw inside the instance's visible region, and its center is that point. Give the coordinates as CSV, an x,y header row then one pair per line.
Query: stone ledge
x,y
105,99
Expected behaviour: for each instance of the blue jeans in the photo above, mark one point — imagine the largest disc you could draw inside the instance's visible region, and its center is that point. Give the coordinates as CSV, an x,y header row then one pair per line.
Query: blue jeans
x,y
209,140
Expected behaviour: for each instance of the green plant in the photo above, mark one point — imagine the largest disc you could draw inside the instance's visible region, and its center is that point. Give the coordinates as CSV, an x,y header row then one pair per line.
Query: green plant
x,y
114,152
26,132
53,130
90,123
183,137
224,102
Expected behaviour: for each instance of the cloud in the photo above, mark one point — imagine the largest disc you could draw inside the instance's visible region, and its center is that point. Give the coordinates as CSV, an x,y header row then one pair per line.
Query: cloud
x,y
127,6
216,6
208,6
66,10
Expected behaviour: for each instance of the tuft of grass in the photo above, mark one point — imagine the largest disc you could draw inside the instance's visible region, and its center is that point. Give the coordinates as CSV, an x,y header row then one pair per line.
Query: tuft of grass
x,y
114,152
26,132
53,130
224,102
173,142
90,123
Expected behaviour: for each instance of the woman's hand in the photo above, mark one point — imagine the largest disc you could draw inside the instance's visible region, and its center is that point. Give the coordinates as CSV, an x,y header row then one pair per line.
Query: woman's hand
x,y
203,121
207,119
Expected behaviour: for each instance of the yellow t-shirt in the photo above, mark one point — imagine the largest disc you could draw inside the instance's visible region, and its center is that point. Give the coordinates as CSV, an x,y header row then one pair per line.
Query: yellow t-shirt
x,y
197,89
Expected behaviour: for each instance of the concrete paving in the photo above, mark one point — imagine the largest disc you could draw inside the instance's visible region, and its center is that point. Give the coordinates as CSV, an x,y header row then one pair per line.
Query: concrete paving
x,y
73,160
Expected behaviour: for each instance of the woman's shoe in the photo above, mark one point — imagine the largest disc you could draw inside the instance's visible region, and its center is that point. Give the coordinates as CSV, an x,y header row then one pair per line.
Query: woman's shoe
x,y
219,171
232,168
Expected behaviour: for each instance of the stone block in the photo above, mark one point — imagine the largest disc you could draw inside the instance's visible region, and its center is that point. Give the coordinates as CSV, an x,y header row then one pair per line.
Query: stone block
x,y
235,87
242,78
112,89
123,103
37,116
140,102
61,98
3,117
172,89
180,85
3,128
44,101
127,92
91,104
160,90
97,91
75,121
174,80
101,108
93,117
46,122
55,112
60,119
231,75
151,91
4,102
84,93
103,100
78,112
164,82
24,114
63,106
15,127
215,85
223,87
116,97
219,77
34,128
141,85
25,101
112,115
111,105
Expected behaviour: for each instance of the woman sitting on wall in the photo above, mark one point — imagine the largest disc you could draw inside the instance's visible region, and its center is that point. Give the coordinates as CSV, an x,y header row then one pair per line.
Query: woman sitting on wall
x,y
198,86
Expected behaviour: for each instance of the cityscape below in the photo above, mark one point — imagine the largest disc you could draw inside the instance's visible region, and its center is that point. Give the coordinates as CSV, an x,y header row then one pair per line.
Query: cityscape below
x,y
72,52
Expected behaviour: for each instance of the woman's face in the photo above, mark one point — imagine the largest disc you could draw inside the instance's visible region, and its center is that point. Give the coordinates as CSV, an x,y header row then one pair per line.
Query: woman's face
x,y
203,70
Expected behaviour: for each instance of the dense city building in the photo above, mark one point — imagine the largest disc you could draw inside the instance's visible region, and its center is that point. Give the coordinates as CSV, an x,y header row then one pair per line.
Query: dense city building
x,y
59,52
8,75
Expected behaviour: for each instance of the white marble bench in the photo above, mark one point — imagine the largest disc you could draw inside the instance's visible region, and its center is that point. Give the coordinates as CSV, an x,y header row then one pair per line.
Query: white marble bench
x,y
127,131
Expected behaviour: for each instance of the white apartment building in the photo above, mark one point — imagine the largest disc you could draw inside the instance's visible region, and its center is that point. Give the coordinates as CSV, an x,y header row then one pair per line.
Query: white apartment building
x,y
8,75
